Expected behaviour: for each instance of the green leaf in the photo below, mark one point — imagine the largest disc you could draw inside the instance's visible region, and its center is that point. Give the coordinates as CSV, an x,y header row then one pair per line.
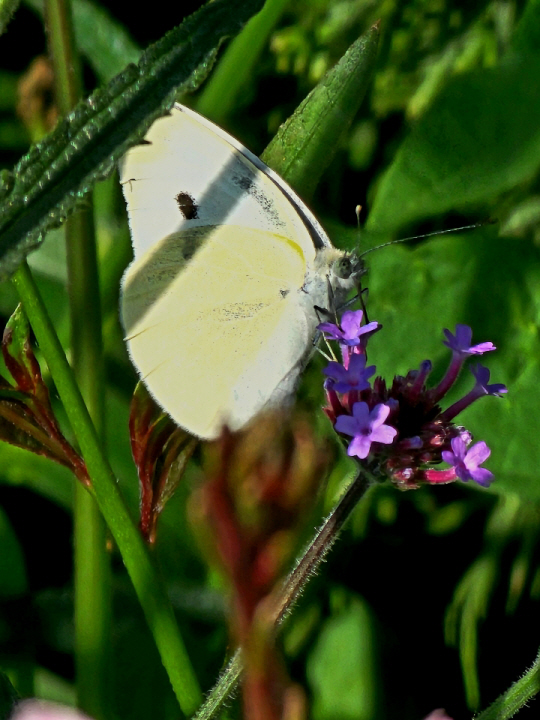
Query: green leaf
x,y
479,139
52,179
472,595
435,277
19,357
415,293
13,580
305,144
470,604
527,33
238,64
341,667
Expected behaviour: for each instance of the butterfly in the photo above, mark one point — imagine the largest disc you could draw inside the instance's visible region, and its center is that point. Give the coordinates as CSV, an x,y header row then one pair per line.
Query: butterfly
x,y
219,305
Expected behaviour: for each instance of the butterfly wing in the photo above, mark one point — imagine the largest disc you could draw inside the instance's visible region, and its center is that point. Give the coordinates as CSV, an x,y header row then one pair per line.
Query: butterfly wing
x,y
227,331
189,173
214,305
319,238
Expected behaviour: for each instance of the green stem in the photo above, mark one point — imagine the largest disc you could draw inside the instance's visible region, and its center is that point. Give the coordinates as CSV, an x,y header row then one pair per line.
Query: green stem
x,y
67,73
147,583
92,574
516,697
93,612
92,608
306,567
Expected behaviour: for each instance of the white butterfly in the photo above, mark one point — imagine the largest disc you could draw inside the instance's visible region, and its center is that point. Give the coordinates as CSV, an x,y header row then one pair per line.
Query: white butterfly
x,y
219,303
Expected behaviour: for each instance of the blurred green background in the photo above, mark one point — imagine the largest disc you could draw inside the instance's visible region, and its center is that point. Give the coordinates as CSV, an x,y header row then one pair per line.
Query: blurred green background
x,y
430,599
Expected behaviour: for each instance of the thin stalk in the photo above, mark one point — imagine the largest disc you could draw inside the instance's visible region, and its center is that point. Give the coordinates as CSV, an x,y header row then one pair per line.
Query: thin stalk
x,y
92,573
93,611
147,582
93,600
516,697
61,42
306,567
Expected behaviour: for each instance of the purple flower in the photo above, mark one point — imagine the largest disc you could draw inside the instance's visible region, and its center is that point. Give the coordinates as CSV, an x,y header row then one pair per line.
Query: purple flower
x,y
481,375
460,343
420,432
480,389
350,331
366,427
466,462
353,378
461,347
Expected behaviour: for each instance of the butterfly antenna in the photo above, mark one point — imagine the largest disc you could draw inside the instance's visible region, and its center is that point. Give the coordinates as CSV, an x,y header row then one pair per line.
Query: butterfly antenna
x,y
474,226
358,210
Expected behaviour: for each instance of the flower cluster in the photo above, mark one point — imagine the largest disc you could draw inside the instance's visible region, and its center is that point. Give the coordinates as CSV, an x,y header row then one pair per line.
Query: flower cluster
x,y
401,431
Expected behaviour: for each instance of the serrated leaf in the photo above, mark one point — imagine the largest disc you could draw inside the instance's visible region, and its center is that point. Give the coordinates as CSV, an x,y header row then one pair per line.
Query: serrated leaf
x,y
479,139
57,172
305,144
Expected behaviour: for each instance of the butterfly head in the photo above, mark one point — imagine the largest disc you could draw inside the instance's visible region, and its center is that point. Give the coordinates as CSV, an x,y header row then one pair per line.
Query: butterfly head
x,y
337,273
349,266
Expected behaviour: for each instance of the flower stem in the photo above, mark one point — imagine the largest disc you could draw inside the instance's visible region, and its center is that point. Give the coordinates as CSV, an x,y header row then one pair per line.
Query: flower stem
x,y
325,537
306,567
516,697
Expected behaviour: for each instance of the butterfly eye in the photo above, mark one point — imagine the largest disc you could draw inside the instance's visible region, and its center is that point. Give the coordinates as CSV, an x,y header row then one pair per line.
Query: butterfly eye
x,y
349,265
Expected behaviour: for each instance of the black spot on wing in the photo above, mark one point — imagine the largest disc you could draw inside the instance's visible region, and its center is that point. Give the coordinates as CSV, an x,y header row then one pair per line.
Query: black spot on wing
x,y
187,206
245,180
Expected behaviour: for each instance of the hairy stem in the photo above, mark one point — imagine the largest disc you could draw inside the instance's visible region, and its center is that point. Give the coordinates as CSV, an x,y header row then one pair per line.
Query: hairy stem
x,y
306,567
516,697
